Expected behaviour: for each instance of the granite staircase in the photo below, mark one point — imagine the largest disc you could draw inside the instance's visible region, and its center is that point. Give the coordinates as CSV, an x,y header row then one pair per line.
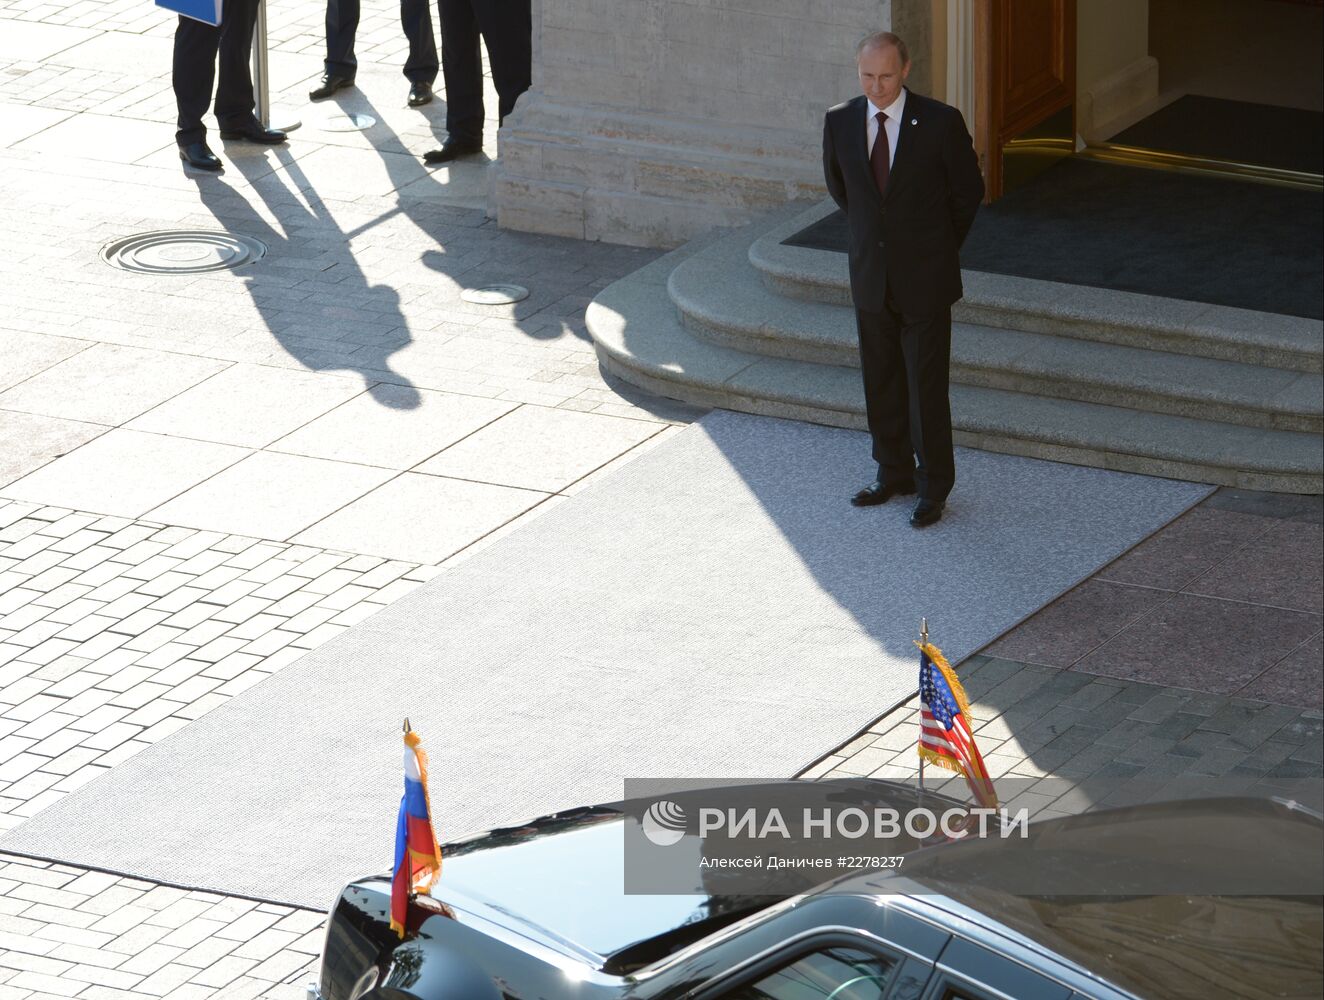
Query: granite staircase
x,y
1091,376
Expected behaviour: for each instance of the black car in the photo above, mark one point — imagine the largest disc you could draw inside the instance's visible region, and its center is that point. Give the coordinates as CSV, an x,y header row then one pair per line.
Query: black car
x,y
539,912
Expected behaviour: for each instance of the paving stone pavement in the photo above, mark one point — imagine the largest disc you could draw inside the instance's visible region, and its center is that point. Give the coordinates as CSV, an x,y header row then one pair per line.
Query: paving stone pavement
x,y
67,932
203,476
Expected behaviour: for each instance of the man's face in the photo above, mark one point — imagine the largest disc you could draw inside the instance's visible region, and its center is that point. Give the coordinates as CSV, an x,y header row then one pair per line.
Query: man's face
x,y
882,74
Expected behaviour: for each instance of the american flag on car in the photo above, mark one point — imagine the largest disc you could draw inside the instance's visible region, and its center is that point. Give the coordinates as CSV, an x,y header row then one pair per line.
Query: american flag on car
x,y
945,738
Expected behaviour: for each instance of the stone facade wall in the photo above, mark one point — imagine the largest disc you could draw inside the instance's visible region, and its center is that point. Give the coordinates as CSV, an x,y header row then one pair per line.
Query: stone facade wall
x,y
651,120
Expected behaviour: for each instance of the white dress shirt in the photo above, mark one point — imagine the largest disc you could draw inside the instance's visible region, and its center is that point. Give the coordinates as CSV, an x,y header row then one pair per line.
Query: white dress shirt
x,y
893,112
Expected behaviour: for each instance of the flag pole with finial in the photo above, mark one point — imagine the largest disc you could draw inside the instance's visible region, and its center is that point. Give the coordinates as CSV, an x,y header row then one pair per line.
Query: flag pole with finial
x,y
924,641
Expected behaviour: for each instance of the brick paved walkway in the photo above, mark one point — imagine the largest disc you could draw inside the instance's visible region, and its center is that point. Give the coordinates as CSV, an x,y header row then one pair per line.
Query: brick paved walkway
x,y
201,477
116,633
65,932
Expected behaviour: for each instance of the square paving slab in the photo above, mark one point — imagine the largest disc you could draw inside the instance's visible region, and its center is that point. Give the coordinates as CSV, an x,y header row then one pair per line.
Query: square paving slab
x,y
108,383
271,496
27,354
29,441
27,41
1202,643
18,121
101,137
118,52
393,426
540,448
125,473
249,405
420,518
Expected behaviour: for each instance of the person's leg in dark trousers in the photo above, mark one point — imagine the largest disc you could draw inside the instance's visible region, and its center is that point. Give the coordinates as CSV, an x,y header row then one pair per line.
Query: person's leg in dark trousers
x,y
193,73
234,85
462,70
416,20
886,396
507,27
342,24
927,346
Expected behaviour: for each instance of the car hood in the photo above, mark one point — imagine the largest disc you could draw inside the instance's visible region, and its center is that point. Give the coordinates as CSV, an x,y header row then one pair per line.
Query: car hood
x,y
560,879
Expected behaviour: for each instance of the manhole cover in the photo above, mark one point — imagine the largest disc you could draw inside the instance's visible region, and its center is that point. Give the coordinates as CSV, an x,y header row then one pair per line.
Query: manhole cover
x,y
350,121
182,251
495,295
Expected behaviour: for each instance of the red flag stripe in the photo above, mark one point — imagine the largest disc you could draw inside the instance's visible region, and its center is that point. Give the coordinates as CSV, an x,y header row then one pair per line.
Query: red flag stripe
x,y
958,746
419,836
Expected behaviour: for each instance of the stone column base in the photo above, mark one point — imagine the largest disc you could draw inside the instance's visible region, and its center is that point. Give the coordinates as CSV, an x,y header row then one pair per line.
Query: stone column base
x,y
641,178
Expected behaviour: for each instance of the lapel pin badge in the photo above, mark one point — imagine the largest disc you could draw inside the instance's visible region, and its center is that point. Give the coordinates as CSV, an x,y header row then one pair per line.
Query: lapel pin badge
x,y
914,121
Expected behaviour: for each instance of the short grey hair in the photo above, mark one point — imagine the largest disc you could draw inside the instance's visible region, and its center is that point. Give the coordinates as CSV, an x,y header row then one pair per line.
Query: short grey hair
x,y
880,40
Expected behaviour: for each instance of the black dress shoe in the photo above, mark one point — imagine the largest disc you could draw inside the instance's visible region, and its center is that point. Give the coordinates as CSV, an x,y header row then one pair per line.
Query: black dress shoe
x,y
876,493
926,512
331,82
198,156
420,94
452,149
254,131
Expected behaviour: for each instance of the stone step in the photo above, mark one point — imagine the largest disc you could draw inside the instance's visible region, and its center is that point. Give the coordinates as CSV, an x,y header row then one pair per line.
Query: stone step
x,y
1271,340
720,297
640,338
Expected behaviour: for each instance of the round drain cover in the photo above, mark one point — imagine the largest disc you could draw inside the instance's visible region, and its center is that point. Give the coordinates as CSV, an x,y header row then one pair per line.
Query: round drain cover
x,y
349,121
495,295
182,251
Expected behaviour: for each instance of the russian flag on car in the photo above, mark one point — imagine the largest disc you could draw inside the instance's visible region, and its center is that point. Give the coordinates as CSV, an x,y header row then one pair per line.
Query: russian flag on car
x,y
417,857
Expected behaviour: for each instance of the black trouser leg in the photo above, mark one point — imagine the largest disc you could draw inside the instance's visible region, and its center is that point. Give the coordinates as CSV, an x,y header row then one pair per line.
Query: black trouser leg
x,y
507,27
234,84
193,73
342,24
886,395
416,20
462,70
927,346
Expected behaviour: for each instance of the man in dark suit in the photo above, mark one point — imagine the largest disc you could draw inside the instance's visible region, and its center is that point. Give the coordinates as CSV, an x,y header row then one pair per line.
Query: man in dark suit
x,y
342,23
196,48
506,26
903,169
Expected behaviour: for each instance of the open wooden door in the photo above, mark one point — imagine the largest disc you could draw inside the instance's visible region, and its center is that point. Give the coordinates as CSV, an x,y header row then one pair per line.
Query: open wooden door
x,y
1025,81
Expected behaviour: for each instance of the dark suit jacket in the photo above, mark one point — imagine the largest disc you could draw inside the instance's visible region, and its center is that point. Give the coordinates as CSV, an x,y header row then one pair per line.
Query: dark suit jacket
x,y
909,239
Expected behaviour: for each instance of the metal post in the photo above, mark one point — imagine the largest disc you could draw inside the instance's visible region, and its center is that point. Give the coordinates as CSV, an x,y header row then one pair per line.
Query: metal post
x,y
924,641
261,76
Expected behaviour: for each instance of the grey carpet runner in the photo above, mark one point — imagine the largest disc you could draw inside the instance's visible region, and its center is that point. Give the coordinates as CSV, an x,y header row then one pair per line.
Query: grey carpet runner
x,y
713,609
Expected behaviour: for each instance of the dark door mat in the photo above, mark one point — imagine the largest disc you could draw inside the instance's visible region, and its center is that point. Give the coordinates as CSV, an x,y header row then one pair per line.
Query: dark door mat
x,y
1205,239
1238,131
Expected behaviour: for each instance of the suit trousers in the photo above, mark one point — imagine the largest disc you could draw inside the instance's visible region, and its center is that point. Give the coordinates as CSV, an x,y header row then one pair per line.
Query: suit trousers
x,y
507,28
195,70
906,363
342,23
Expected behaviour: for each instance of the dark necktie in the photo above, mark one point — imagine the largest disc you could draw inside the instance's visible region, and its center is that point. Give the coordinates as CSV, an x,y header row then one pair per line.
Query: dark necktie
x,y
879,156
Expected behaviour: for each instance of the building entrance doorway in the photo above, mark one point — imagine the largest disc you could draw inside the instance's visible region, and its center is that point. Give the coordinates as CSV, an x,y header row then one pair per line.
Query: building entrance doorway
x,y
1232,87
